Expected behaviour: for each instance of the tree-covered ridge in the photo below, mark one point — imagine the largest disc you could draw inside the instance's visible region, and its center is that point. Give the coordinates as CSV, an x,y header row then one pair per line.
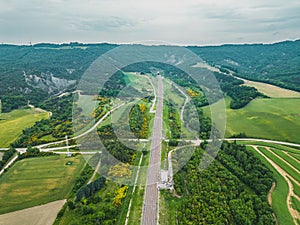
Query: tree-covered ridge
x,y
219,194
36,72
33,71
277,64
240,95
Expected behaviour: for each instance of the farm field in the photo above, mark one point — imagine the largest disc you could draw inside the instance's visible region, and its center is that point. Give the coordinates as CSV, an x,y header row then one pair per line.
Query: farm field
x,y
12,124
49,179
38,215
287,185
271,90
139,82
274,119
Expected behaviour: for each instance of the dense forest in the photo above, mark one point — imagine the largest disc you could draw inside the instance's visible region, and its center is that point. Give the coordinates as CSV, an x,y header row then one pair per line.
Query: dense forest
x,y
40,71
35,73
228,192
90,203
277,64
43,70
240,95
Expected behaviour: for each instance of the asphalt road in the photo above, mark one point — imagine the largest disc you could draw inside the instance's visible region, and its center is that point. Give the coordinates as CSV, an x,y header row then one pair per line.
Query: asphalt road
x,y
150,207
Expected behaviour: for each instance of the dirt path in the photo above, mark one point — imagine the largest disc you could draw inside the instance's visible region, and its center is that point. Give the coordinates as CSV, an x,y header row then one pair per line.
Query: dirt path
x,y
269,149
294,213
95,171
40,110
292,157
270,193
271,201
152,110
38,215
187,98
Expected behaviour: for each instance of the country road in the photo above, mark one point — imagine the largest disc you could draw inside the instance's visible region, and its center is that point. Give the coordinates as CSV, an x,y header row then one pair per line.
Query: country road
x,y
152,110
196,142
187,98
9,164
150,206
84,133
43,149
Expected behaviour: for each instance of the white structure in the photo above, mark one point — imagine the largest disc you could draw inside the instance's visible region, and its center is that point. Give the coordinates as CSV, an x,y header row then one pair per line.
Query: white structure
x,y
69,154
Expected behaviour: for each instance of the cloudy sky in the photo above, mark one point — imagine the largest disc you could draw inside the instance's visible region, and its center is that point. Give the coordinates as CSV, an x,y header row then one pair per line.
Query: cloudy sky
x,y
185,22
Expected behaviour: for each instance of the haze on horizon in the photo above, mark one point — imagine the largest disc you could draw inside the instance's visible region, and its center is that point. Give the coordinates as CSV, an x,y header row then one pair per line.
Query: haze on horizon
x,y
190,22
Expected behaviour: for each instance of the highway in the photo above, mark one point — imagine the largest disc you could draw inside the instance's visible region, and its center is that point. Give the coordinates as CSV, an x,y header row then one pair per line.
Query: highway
x,y
150,207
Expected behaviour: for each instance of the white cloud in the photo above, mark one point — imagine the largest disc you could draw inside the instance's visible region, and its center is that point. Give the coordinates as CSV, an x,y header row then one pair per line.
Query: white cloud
x,y
183,22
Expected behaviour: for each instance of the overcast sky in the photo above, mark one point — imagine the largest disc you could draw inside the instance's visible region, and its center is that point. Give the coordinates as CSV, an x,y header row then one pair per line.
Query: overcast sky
x,y
185,22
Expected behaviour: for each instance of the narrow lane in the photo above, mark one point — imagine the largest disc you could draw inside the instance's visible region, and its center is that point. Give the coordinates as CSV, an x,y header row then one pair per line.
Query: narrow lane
x,y
150,207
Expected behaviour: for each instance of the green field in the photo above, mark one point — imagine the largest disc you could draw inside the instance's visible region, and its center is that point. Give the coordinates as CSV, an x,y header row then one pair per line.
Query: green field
x,y
279,195
36,181
87,104
296,156
272,90
12,124
167,208
290,150
275,119
287,158
172,93
139,82
282,164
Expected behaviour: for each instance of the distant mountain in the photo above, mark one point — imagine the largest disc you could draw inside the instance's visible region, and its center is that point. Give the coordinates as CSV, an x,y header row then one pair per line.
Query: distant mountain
x,y
36,72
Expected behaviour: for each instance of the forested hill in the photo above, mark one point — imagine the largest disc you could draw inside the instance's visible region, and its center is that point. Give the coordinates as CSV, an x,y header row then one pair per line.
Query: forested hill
x,y
36,72
278,63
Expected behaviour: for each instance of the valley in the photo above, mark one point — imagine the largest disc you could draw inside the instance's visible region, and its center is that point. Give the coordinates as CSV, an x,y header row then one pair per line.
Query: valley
x,y
132,153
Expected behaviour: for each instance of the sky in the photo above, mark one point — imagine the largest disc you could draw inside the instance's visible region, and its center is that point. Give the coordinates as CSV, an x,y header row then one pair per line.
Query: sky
x,y
184,22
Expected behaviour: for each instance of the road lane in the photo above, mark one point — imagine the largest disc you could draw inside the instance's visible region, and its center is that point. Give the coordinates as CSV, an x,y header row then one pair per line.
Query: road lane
x,y
150,207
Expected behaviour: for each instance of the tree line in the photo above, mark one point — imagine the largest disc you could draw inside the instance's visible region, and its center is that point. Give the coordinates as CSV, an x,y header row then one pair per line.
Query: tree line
x,y
219,195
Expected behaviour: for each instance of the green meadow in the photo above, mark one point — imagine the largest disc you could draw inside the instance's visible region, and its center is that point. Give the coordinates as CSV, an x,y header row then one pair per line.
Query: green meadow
x,y
279,195
275,119
36,181
12,124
